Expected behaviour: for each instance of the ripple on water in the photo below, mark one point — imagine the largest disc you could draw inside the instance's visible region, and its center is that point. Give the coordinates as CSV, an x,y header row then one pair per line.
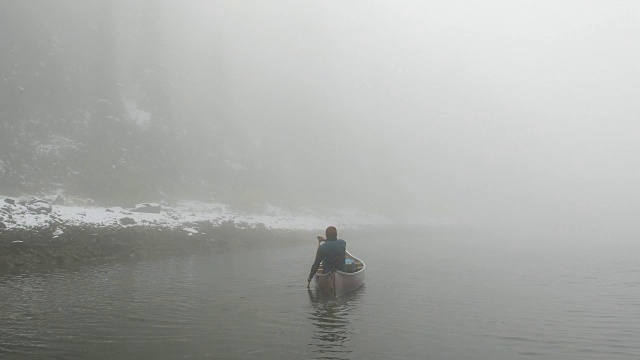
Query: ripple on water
x,y
452,301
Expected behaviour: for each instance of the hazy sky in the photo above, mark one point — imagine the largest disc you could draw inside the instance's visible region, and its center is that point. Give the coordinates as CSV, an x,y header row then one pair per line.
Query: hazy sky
x,y
505,107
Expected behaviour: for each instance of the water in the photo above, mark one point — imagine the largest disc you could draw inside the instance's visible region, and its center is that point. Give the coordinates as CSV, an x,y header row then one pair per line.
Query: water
x,y
441,295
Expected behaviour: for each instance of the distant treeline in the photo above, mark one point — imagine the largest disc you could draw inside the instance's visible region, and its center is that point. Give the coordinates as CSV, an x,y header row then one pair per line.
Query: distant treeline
x,y
105,99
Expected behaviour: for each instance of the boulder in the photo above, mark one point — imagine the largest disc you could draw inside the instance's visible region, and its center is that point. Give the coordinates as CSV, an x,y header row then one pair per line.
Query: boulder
x,y
40,207
147,208
59,200
2,225
127,221
37,200
10,201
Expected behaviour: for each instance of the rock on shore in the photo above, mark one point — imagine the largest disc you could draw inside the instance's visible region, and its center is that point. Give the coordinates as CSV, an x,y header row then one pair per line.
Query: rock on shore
x,y
37,231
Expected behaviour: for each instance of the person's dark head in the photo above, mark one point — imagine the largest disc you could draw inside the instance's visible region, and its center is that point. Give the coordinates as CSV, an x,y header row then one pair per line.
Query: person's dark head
x,y
331,232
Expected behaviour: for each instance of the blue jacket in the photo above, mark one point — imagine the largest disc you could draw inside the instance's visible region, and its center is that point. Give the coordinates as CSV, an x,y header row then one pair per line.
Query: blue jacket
x,y
331,254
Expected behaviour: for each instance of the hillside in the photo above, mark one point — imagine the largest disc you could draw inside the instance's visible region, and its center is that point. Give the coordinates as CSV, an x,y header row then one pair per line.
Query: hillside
x,y
101,100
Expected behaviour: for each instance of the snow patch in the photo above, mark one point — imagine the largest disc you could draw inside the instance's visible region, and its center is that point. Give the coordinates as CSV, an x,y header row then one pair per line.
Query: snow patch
x,y
184,214
136,115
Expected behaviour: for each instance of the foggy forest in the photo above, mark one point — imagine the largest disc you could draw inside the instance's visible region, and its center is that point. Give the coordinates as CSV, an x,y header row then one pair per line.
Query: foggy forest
x,y
516,110
212,179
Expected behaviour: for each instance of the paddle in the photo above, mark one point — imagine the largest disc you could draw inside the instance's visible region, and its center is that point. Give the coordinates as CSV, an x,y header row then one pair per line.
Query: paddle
x,y
320,240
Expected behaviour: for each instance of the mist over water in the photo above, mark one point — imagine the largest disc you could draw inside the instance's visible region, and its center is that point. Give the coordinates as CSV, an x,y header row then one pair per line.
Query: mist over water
x,y
515,121
500,111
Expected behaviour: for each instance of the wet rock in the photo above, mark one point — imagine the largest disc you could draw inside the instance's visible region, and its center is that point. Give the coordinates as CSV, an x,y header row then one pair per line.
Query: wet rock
x,y
40,207
127,221
37,200
147,208
10,201
2,225
108,210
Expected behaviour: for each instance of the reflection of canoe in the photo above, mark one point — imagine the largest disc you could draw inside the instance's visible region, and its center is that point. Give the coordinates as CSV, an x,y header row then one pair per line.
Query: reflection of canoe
x,y
340,282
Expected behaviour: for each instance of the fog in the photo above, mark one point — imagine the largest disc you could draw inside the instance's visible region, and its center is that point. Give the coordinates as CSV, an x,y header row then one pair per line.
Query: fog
x,y
488,112
165,164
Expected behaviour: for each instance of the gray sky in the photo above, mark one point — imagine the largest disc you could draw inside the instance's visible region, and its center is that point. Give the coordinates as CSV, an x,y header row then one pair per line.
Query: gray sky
x,y
515,108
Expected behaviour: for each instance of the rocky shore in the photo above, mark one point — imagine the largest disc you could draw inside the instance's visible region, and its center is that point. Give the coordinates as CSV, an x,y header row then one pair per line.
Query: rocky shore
x,y
51,231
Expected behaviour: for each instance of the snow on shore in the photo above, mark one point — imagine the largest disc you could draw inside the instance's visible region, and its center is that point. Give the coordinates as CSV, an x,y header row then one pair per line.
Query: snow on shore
x,y
27,213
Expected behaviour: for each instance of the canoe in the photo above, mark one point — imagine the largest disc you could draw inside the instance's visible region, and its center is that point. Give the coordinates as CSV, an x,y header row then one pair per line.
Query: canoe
x,y
339,282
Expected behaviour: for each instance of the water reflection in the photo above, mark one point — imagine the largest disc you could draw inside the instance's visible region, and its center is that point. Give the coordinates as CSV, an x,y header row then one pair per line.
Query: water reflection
x,y
330,315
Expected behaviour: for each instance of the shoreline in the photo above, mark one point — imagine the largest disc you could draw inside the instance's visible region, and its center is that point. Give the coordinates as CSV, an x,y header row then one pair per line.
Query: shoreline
x,y
56,231
38,231
26,248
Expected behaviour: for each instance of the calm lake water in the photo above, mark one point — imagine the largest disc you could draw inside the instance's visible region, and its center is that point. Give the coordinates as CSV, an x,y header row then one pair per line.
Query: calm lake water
x,y
434,295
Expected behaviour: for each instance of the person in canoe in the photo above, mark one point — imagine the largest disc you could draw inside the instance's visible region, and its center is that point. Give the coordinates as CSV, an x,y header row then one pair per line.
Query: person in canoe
x,y
331,254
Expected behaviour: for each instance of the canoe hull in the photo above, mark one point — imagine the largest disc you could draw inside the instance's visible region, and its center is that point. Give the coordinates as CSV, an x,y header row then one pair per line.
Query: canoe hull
x,y
339,282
